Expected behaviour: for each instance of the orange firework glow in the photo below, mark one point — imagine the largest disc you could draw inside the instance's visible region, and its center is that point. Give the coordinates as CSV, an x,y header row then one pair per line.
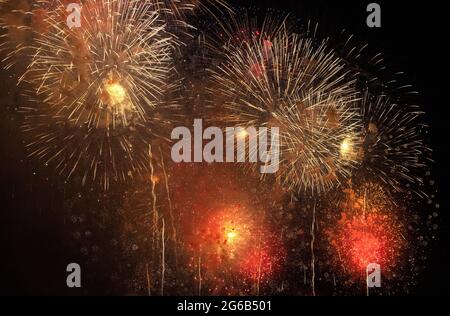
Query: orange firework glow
x,y
226,235
234,243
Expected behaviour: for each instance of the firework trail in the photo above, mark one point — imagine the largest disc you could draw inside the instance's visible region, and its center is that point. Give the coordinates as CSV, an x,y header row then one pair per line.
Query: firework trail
x,y
163,257
101,92
302,87
313,259
169,200
154,212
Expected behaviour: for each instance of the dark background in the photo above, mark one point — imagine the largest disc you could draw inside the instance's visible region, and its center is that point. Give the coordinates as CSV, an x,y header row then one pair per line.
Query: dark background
x,y
33,243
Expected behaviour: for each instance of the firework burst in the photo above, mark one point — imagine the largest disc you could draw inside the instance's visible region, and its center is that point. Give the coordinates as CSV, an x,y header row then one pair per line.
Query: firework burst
x,y
371,225
99,104
394,149
107,71
291,82
369,231
100,91
232,244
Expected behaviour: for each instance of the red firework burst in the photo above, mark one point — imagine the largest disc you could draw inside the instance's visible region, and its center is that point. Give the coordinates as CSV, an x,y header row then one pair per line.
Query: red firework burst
x,y
368,232
364,240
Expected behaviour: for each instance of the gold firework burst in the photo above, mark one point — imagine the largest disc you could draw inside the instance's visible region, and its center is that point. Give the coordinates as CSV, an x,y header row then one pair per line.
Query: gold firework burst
x,y
302,87
97,90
